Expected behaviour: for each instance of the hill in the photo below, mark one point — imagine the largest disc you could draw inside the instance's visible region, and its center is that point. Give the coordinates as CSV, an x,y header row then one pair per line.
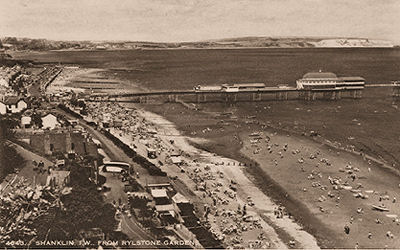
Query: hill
x,y
18,44
298,42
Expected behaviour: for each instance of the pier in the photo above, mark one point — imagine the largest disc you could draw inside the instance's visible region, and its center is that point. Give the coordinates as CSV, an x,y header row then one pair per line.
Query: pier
x,y
245,95
396,91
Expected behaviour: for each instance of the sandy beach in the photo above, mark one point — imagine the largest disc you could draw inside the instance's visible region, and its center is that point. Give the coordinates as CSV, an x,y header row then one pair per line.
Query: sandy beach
x,y
64,79
231,169
321,178
89,80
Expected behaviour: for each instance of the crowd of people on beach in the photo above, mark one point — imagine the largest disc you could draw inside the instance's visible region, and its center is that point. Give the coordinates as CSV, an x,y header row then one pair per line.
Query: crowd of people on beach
x,y
226,213
231,220
330,187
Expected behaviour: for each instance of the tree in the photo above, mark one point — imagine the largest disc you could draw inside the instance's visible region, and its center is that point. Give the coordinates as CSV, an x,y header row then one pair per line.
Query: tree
x,y
83,209
9,157
37,120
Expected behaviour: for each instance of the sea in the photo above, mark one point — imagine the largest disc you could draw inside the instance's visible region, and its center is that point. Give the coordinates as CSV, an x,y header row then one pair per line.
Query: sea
x,y
185,68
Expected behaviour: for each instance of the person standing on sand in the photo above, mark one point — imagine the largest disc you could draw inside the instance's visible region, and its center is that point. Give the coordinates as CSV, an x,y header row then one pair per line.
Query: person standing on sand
x,y
347,229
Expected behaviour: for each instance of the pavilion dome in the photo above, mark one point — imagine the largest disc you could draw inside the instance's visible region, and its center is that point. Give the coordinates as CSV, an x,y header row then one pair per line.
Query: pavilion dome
x,y
320,75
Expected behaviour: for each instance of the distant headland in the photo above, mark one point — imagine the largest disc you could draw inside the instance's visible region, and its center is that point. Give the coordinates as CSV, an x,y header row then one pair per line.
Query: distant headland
x,y
13,43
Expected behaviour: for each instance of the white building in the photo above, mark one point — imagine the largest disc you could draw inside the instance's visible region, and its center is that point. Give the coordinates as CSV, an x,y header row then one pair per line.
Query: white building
x,y
3,108
318,80
329,80
50,121
3,82
21,105
26,121
15,104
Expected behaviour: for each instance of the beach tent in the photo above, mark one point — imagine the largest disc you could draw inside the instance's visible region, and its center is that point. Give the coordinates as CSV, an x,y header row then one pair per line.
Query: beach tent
x,y
176,160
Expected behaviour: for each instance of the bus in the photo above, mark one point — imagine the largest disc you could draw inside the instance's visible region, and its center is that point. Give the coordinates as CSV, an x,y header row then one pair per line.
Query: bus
x,y
116,167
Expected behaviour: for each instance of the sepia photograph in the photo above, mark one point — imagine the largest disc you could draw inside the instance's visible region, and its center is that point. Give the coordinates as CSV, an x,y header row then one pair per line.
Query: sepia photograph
x,y
199,124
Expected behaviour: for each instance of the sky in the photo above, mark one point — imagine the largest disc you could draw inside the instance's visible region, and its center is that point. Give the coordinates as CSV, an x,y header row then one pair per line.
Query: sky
x,y
198,20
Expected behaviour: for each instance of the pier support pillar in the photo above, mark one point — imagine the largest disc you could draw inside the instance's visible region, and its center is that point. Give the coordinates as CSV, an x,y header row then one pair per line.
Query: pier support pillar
x,y
308,95
201,98
339,95
143,99
172,98
230,97
280,96
333,95
313,96
256,97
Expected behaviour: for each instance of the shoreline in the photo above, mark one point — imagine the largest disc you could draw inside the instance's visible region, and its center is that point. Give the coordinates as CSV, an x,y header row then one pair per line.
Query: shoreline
x,y
307,216
279,196
290,232
279,189
263,203
329,235
325,211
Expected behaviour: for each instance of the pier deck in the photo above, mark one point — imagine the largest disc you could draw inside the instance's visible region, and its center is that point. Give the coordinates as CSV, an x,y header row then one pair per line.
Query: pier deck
x,y
244,95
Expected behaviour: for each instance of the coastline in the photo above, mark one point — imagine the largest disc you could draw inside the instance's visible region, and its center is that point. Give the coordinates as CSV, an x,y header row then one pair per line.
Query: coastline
x,y
261,173
327,228
285,186
264,206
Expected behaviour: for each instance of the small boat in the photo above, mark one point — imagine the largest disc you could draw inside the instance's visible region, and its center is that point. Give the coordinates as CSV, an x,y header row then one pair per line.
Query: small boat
x,y
380,208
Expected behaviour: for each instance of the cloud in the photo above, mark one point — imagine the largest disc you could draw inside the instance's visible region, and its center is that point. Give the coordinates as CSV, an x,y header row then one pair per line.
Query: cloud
x,y
191,20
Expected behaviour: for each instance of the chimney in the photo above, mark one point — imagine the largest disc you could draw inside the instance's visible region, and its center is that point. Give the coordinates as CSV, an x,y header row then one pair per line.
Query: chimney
x,y
68,146
47,150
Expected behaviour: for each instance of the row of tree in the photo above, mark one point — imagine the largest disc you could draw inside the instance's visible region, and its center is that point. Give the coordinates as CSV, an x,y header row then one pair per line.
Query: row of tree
x,y
83,209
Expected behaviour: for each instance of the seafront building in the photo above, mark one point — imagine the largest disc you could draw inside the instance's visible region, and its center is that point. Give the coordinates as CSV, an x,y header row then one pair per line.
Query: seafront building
x,y
329,80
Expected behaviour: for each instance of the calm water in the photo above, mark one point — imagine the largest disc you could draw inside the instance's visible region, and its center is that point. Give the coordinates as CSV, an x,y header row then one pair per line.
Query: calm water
x,y
182,69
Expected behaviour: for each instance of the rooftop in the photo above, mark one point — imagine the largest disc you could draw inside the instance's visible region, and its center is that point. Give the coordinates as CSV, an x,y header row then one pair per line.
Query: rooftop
x,y
159,193
320,75
352,78
11,100
165,208
244,85
179,198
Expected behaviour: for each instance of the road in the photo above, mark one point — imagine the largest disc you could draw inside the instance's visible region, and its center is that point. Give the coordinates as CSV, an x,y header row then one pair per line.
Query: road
x,y
115,153
130,226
